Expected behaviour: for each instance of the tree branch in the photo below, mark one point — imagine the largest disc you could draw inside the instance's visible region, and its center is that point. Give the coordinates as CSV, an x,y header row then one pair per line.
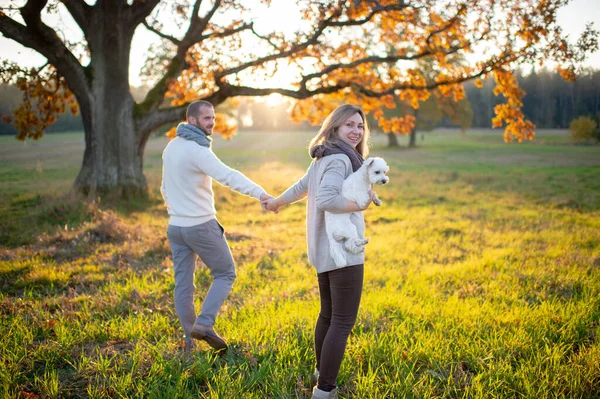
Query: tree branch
x,y
43,39
487,68
193,35
80,12
380,60
228,32
197,25
255,33
376,10
312,40
173,40
140,9
195,10
161,117
375,59
451,22
173,114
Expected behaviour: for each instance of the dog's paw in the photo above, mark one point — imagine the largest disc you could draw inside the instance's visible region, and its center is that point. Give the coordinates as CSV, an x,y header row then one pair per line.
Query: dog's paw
x,y
361,244
339,237
377,201
356,246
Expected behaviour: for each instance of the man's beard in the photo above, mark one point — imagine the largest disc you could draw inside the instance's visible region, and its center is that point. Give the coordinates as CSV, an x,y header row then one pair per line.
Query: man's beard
x,y
201,128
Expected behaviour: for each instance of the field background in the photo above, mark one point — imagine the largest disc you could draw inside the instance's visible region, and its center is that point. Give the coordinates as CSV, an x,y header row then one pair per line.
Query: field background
x,y
482,277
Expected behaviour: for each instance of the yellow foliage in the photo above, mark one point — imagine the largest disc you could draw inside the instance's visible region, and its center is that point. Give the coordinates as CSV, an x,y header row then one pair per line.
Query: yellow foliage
x,y
172,133
510,113
567,74
51,96
225,125
397,125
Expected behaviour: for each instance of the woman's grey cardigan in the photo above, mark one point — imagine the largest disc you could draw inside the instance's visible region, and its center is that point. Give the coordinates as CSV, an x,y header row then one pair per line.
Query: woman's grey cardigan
x,y
323,185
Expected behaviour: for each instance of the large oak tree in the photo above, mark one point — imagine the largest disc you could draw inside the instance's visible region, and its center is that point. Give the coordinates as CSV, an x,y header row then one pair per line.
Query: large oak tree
x,y
345,50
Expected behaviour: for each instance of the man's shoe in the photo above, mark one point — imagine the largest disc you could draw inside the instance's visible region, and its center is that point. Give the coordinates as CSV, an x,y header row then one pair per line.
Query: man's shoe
x,y
208,334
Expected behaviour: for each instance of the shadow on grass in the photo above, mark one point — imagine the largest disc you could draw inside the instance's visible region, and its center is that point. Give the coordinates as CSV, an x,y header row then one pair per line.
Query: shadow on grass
x,y
28,216
10,276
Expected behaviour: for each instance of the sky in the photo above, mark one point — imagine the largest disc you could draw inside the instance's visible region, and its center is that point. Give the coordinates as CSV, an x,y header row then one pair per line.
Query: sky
x,y
572,18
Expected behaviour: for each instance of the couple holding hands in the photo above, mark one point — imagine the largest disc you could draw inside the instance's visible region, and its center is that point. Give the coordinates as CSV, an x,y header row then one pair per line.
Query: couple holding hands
x,y
189,165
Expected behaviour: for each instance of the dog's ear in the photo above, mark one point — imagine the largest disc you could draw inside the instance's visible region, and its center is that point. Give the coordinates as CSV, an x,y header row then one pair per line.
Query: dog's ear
x,y
368,161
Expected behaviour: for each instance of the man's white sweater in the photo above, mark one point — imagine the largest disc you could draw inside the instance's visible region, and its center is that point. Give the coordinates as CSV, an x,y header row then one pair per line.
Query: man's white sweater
x,y
188,170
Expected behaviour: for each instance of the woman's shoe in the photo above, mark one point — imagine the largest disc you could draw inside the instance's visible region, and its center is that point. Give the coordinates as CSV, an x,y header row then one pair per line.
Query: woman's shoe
x,y
318,394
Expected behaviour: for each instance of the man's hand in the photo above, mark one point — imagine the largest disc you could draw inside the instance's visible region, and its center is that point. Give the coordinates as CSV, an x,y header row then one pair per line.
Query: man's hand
x,y
264,198
272,205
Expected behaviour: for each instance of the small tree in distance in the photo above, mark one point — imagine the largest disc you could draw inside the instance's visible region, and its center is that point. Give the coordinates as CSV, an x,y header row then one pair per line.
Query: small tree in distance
x,y
583,129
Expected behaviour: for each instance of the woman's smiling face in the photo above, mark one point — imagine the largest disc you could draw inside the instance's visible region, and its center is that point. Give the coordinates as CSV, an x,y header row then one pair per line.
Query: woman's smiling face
x,y
352,130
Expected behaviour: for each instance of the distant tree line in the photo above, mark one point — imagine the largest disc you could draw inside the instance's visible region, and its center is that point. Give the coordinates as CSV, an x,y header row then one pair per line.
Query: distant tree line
x,y
550,102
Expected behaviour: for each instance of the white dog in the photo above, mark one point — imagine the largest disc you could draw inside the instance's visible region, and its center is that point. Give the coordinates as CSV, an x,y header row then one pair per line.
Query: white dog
x,y
341,232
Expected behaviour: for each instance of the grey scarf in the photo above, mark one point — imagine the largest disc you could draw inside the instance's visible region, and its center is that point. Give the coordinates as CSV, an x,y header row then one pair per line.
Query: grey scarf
x,y
193,133
338,147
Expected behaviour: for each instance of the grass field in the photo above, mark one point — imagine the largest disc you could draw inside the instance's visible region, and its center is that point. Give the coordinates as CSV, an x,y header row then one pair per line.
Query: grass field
x,y
482,277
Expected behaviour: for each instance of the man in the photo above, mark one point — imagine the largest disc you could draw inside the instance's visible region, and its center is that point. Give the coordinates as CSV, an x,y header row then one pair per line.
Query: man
x,y
189,165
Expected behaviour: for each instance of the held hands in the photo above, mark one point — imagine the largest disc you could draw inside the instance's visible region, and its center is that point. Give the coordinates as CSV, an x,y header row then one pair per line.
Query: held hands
x,y
272,205
267,203
263,201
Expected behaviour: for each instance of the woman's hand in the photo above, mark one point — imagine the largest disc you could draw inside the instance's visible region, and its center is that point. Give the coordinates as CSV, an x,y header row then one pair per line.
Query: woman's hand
x,y
272,205
263,201
371,196
352,206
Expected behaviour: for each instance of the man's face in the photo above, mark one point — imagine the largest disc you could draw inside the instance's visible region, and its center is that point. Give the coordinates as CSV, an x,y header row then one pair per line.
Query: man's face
x,y
205,120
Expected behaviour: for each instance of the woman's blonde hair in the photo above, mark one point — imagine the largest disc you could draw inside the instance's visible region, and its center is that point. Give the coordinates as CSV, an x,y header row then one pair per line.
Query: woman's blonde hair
x,y
328,134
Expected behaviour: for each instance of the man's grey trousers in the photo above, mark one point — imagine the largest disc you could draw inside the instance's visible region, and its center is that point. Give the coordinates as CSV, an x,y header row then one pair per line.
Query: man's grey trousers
x,y
207,240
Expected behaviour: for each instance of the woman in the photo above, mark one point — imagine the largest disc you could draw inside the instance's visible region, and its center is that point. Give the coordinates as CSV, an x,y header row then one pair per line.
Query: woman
x,y
338,149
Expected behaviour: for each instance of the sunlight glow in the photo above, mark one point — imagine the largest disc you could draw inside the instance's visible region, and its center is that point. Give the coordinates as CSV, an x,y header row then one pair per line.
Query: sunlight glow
x,y
273,100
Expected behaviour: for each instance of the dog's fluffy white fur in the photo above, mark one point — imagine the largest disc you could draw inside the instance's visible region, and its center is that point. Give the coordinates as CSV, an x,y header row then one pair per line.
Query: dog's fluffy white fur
x,y
341,232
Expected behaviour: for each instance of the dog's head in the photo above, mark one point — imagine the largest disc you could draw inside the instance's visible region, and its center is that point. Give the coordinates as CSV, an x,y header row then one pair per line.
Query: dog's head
x,y
376,170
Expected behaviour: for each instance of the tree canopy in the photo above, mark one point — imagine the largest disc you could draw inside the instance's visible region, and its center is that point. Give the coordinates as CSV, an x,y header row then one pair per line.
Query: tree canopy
x,y
360,51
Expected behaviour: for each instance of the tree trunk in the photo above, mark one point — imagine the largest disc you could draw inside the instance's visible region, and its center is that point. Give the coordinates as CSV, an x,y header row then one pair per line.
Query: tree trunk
x,y
113,157
413,138
392,140
413,132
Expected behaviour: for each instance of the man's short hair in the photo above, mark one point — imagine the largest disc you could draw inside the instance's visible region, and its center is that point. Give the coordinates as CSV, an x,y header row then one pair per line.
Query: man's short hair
x,y
194,108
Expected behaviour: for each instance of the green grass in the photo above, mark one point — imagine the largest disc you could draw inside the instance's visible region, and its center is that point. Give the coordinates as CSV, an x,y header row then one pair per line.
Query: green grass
x,y
482,277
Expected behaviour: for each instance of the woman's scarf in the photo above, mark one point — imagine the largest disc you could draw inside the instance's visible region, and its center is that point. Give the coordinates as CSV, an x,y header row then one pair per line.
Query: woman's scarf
x,y
338,147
